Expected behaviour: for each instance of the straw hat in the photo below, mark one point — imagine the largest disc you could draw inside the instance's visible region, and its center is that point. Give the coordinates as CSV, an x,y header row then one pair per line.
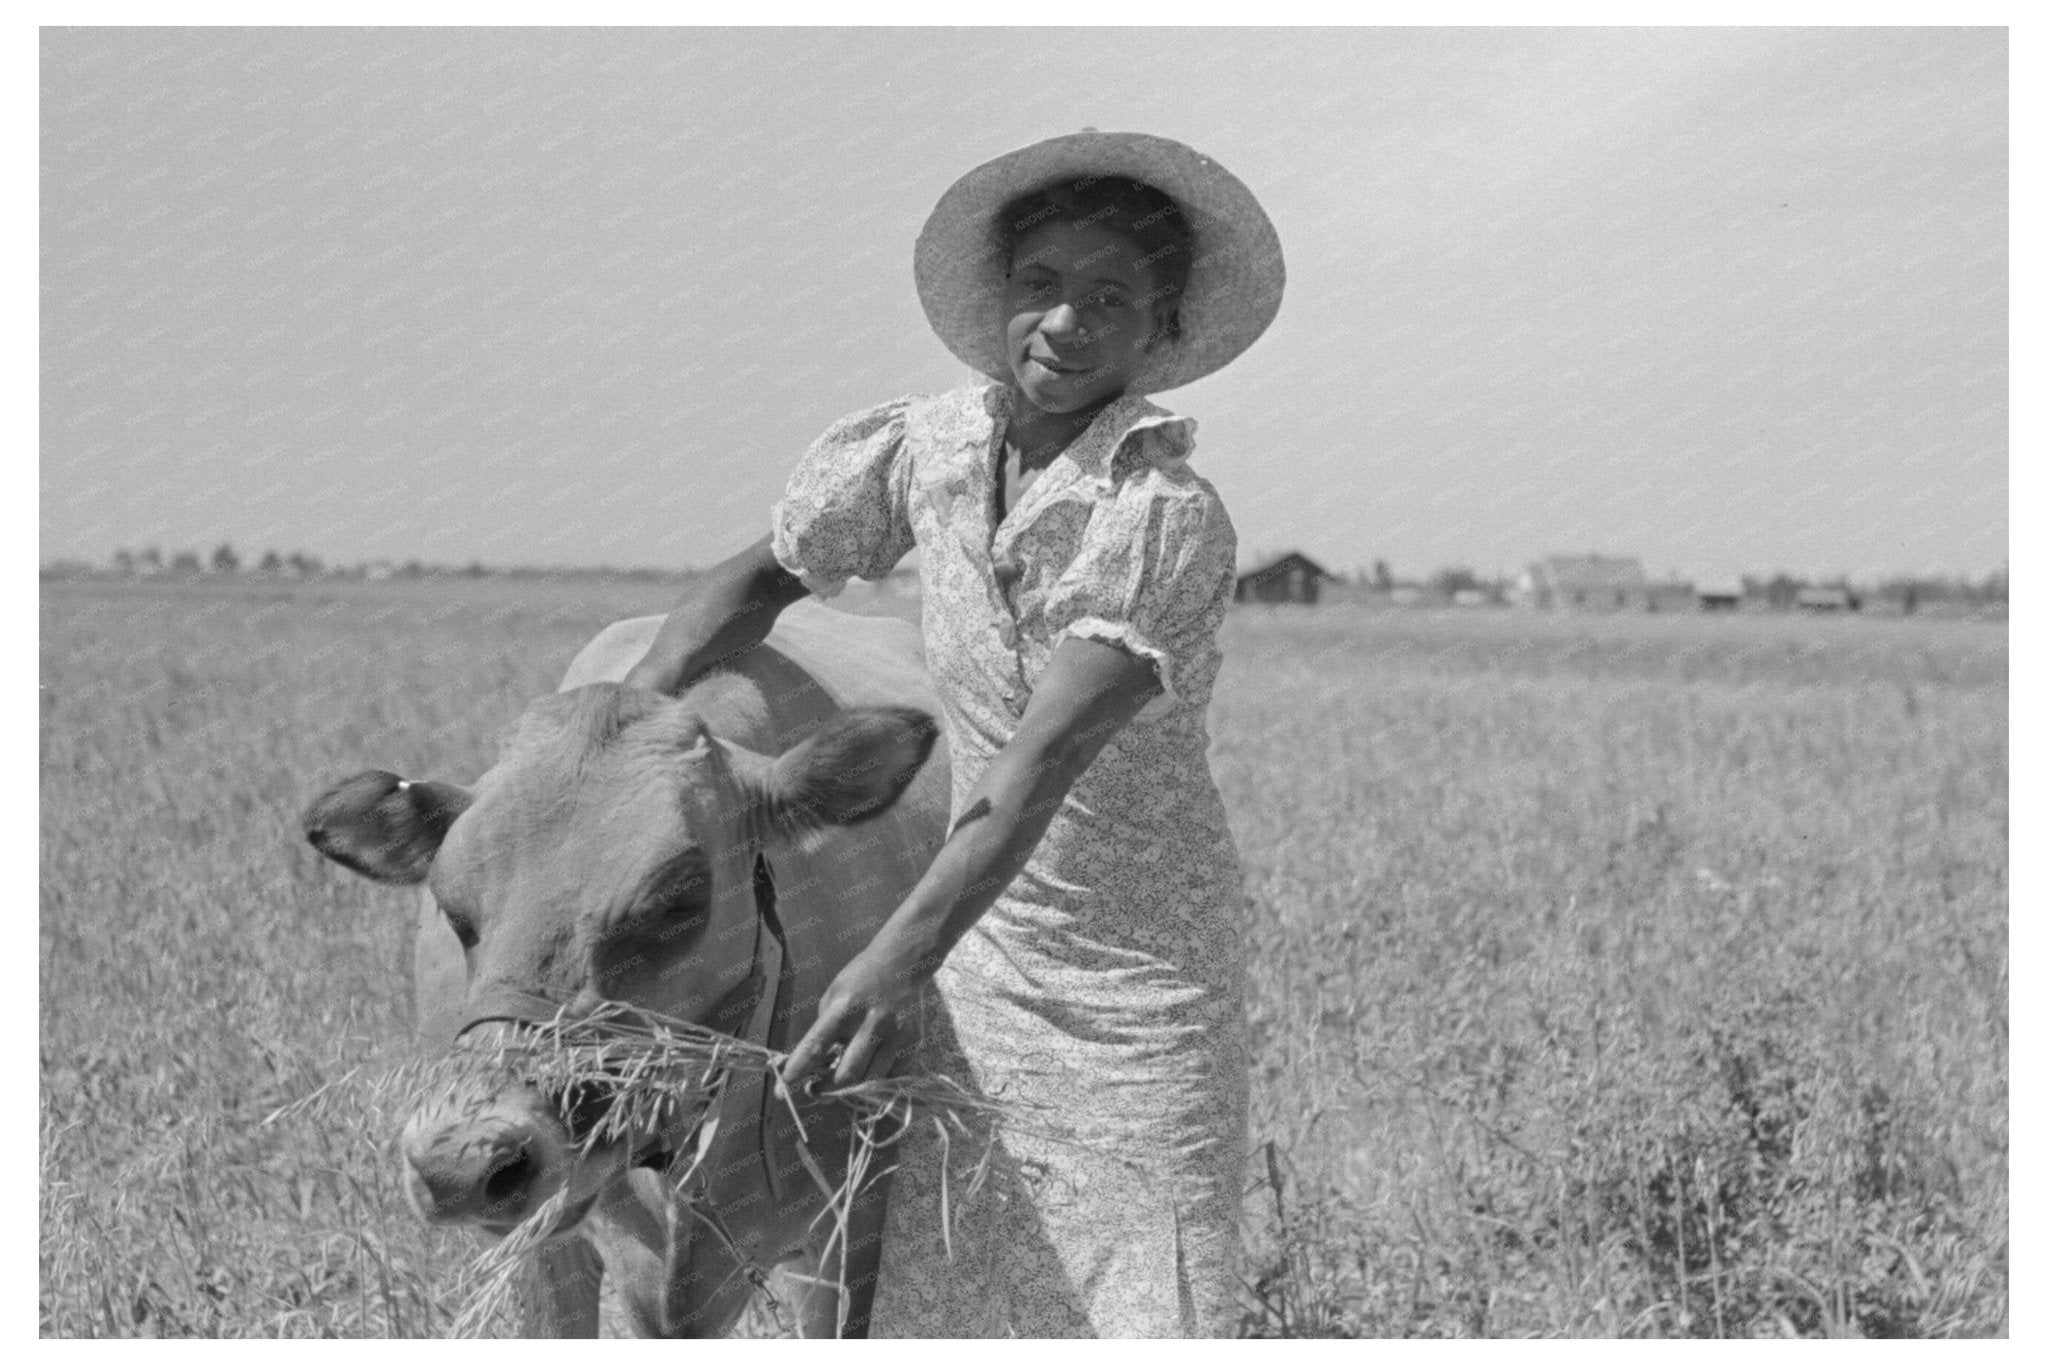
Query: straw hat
x,y
1234,282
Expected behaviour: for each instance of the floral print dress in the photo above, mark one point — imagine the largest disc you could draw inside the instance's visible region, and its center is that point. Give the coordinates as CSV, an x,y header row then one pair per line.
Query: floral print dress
x,y
1101,998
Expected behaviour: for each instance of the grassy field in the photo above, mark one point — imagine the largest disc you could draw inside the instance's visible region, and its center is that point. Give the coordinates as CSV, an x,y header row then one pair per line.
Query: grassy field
x,y
1637,976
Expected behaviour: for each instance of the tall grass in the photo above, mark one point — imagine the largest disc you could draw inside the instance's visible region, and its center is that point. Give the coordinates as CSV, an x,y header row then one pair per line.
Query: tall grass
x,y
1639,976
1635,976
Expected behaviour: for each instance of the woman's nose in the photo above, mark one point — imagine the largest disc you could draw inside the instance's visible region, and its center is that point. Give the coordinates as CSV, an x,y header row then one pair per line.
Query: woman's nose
x,y
1062,320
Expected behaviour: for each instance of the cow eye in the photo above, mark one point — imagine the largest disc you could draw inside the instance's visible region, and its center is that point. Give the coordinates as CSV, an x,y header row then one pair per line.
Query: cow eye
x,y
684,896
463,925
679,900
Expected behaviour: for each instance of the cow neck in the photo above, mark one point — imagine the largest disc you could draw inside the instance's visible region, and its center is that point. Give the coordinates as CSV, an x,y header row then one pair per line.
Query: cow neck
x,y
757,1090
727,1147
746,1002
735,1013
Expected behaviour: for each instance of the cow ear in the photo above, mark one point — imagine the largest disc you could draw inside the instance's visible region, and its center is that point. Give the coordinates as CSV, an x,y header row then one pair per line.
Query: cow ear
x,y
383,826
853,768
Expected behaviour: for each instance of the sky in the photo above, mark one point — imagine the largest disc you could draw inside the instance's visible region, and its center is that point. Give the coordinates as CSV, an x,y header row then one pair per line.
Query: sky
x,y
1728,300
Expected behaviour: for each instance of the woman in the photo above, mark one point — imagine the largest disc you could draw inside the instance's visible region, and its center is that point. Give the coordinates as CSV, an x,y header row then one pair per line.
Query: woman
x,y
1075,949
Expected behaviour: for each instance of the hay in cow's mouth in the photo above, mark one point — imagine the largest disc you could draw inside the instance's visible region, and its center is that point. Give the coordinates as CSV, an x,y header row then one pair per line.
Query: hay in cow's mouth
x,y
637,1088
621,1072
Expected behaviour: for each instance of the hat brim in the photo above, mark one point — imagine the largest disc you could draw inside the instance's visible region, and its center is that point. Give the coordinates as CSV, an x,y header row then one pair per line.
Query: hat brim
x,y
1234,282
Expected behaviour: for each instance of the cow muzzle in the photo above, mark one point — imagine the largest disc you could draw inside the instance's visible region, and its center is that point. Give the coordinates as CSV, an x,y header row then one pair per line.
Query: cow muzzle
x,y
487,1161
494,1149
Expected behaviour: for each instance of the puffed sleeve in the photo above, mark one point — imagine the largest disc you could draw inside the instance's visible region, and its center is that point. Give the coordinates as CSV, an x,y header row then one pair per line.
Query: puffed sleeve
x,y
846,511
1154,576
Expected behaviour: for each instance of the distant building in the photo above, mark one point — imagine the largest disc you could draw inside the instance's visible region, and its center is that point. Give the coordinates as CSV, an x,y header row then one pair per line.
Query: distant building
x,y
1293,577
1826,599
1672,595
1598,583
1584,583
1720,595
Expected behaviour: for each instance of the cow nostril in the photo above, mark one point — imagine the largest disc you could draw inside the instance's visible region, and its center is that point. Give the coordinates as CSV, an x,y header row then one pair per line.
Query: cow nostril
x,y
511,1180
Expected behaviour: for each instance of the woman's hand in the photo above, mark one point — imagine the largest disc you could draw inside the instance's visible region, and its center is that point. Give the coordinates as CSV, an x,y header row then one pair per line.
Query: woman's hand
x,y
859,1015
731,607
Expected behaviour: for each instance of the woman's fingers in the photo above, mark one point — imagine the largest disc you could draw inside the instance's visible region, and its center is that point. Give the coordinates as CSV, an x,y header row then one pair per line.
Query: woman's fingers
x,y
856,1023
809,1054
860,1053
828,1048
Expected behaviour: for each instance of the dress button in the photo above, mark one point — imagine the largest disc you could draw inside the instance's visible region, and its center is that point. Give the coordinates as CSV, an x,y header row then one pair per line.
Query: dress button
x,y
1008,631
1007,571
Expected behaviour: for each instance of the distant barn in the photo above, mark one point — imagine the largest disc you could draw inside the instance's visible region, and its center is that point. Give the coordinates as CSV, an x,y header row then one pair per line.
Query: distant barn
x,y
1293,577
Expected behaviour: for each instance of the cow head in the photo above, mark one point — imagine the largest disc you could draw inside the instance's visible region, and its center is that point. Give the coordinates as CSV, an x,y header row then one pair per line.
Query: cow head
x,y
609,855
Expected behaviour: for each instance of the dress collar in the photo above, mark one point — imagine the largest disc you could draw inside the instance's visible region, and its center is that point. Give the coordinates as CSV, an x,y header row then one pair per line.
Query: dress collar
x,y
1097,449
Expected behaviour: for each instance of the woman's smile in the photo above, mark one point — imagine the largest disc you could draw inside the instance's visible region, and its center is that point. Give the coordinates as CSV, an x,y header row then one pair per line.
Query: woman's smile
x,y
1056,367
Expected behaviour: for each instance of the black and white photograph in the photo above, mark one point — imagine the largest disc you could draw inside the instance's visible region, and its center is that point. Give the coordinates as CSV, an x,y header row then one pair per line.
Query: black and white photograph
x,y
1052,682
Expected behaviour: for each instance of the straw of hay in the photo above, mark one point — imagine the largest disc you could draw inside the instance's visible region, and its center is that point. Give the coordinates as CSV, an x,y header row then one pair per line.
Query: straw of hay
x,y
659,1074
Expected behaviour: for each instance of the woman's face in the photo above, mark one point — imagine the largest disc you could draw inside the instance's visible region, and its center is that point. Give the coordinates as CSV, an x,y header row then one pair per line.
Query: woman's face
x,y
1081,315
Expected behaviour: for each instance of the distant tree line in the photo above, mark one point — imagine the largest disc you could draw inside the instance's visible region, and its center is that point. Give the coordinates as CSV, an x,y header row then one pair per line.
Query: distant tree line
x,y
1902,594
223,560
1780,590
151,561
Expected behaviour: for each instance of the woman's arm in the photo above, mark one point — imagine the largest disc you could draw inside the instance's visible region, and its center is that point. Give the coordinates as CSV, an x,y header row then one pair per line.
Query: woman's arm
x,y
1088,692
733,606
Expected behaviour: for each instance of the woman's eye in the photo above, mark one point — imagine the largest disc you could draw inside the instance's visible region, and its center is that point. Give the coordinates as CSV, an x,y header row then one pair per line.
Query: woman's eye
x,y
1105,299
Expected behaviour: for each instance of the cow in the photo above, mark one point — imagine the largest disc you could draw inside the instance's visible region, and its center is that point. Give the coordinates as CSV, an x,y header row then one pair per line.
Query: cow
x,y
715,856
